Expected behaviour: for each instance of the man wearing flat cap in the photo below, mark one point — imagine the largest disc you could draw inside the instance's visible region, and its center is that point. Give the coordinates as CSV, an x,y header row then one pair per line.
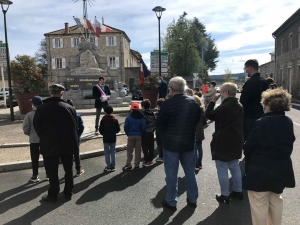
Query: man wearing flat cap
x,y
56,124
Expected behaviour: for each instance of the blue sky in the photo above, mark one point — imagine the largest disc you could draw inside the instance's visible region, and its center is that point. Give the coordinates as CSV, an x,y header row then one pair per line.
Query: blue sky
x,y
241,29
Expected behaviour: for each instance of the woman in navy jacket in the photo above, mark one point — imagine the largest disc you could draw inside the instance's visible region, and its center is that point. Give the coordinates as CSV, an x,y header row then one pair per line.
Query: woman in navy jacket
x,y
268,152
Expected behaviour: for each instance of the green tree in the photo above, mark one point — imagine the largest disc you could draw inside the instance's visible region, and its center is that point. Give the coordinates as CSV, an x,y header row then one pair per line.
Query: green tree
x,y
41,56
185,40
227,75
26,75
179,42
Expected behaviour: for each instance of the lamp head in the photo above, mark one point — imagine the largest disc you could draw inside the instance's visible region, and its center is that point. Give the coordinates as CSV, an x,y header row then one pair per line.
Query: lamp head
x,y
158,11
5,2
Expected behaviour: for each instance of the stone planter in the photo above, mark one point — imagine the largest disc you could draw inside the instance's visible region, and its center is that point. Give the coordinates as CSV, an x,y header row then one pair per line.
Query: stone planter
x,y
152,95
23,102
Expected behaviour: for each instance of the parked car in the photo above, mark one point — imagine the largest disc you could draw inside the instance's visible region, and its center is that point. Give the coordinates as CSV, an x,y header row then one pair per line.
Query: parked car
x,y
14,101
218,89
137,94
2,93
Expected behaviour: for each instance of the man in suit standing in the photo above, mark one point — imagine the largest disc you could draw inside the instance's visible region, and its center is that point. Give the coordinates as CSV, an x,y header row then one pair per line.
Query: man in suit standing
x,y
162,88
251,96
101,94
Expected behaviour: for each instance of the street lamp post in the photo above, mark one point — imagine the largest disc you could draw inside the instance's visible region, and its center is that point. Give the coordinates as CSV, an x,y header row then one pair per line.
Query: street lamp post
x,y
7,2
158,11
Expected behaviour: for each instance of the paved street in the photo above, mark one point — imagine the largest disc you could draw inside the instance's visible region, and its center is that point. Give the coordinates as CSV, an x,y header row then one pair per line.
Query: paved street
x,y
133,197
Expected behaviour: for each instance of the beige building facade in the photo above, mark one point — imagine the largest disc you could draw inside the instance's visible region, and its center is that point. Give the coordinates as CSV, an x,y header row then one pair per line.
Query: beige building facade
x,y
112,53
267,69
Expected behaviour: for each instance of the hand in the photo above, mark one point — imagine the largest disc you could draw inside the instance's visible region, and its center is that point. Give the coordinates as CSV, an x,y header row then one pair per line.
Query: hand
x,y
101,98
216,97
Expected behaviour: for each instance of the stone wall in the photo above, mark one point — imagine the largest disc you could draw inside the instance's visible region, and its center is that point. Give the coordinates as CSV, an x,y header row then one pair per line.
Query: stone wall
x,y
132,72
267,69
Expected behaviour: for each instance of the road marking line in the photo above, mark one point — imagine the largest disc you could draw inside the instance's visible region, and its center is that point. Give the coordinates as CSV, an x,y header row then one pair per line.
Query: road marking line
x,y
297,124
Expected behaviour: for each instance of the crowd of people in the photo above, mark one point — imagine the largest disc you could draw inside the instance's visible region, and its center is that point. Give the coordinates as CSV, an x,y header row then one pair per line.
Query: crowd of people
x,y
254,126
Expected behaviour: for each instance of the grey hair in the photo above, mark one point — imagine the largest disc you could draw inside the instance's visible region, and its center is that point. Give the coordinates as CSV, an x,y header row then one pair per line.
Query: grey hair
x,y
230,87
177,84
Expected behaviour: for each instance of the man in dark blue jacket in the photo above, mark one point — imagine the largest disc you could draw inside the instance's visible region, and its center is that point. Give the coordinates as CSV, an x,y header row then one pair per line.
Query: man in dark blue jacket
x,y
162,88
101,94
177,121
251,96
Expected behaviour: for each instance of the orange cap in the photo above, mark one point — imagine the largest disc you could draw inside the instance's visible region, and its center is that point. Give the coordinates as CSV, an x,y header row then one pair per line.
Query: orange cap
x,y
134,106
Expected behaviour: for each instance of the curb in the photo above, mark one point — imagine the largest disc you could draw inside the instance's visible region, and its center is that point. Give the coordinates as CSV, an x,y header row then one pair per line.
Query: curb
x,y
22,165
26,144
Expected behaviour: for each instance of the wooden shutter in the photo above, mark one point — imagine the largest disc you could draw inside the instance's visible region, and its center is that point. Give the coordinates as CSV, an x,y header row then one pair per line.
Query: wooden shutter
x,y
117,62
72,42
63,62
61,43
53,64
107,41
96,41
53,41
115,41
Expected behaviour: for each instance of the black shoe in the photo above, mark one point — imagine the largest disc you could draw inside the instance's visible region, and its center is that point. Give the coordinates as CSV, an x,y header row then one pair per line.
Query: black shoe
x,y
238,195
46,198
35,179
165,204
127,168
193,205
68,197
222,198
136,168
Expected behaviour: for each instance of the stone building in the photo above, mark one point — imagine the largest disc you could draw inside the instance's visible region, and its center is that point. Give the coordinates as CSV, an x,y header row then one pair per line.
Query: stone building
x,y
267,69
287,55
111,51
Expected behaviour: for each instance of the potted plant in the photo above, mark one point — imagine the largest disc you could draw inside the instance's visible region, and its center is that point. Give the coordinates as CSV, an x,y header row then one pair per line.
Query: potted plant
x,y
28,80
149,88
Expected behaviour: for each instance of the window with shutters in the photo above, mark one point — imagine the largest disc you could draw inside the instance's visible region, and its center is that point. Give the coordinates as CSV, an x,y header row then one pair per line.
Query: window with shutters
x,y
111,41
282,45
76,42
58,63
58,43
112,61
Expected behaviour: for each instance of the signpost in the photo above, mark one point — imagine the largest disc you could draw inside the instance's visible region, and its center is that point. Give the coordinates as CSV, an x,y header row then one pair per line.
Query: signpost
x,y
154,62
3,62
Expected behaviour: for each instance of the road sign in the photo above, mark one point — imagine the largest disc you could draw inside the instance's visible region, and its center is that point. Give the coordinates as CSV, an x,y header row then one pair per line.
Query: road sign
x,y
156,70
2,52
156,64
3,64
161,53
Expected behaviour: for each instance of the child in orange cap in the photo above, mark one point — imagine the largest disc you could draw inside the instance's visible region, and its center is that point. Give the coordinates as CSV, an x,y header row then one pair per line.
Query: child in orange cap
x,y
134,127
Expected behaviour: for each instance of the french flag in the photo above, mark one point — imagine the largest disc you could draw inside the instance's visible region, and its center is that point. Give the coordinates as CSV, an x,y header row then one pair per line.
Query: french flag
x,y
105,28
144,72
97,27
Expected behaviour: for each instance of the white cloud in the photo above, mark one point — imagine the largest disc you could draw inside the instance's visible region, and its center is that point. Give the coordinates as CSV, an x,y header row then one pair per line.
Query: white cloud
x,y
242,29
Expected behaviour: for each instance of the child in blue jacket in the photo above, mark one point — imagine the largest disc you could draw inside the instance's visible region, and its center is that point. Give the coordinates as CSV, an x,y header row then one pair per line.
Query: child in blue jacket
x,y
134,127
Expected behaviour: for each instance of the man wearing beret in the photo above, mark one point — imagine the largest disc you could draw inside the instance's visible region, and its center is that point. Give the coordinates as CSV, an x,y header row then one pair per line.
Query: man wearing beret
x,y
56,124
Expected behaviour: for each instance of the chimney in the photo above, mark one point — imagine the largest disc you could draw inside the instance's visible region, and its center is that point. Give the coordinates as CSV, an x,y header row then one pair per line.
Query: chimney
x,y
67,30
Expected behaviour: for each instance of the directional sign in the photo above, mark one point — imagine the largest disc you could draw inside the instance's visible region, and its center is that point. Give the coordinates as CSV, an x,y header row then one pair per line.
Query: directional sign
x,y
3,64
163,70
2,52
156,64
161,53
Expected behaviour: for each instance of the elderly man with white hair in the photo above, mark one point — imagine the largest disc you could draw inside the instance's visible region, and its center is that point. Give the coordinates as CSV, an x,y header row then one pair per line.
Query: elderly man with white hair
x,y
177,122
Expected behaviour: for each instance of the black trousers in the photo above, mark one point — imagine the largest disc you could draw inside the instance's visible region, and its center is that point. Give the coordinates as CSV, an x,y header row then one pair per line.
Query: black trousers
x,y
51,166
35,155
159,145
148,146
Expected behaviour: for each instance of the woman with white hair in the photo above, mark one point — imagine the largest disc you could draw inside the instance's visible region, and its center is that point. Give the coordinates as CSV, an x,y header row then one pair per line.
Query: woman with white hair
x,y
227,141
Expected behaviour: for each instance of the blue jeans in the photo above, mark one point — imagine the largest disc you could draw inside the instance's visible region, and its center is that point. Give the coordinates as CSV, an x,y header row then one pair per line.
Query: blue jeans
x,y
171,163
235,170
198,146
110,154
